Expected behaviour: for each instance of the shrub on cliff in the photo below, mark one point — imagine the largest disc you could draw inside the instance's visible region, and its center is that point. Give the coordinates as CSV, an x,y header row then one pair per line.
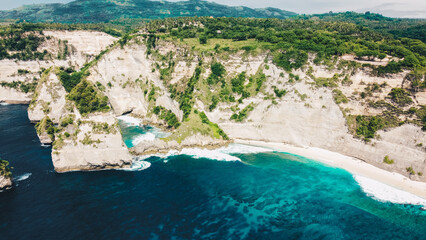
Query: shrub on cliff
x,y
5,169
167,115
46,125
400,96
87,99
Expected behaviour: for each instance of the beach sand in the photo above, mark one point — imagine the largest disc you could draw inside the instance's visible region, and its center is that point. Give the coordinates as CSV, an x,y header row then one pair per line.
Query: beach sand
x,y
350,164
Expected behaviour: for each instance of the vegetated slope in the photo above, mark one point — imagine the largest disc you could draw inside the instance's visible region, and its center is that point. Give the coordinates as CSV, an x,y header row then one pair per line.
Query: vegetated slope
x,y
81,11
398,27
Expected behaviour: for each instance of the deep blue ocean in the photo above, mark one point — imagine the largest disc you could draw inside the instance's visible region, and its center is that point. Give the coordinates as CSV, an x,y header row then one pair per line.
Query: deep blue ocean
x,y
265,196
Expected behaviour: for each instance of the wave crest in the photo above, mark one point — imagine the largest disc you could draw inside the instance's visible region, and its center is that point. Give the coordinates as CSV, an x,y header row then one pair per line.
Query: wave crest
x,y
23,177
130,120
385,193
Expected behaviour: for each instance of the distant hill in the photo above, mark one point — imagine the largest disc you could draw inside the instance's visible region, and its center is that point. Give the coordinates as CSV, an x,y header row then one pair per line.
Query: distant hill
x,y
95,11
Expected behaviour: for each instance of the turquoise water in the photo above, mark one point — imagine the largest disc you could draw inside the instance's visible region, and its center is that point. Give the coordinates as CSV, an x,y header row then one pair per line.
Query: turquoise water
x,y
135,133
264,196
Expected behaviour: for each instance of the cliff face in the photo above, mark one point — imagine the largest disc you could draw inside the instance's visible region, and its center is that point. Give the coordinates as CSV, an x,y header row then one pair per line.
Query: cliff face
x,y
314,106
48,100
125,73
92,142
86,142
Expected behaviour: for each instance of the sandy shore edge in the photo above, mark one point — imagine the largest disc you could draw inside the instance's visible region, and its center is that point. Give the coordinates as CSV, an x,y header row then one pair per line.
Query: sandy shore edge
x,y
350,164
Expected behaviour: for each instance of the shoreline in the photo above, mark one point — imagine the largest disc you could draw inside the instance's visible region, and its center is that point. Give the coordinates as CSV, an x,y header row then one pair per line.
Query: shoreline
x,y
354,166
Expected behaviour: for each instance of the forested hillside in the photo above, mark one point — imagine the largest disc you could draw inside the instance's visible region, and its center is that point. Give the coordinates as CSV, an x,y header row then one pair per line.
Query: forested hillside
x,y
95,11
398,27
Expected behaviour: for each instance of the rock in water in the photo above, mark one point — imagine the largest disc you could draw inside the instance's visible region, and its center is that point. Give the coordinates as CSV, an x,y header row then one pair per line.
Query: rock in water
x,y
5,182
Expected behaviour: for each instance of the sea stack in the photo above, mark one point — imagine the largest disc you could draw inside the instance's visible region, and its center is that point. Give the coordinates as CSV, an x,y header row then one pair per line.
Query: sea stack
x,y
5,175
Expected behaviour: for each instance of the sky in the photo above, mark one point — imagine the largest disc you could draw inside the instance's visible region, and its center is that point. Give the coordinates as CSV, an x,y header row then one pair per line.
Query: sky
x,y
391,8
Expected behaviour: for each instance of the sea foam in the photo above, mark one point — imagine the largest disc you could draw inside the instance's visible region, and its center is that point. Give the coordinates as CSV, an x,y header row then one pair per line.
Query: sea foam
x,y
3,104
23,177
386,193
130,120
220,154
206,153
143,137
243,149
138,166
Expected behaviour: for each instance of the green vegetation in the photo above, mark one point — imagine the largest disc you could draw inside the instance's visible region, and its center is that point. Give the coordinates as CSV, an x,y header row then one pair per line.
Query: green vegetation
x,y
214,126
19,42
87,140
70,78
327,82
291,59
185,98
368,126
151,94
387,160
400,96
290,41
88,99
5,169
339,97
167,115
46,125
279,93
23,71
218,70
411,171
22,86
132,12
100,128
196,123
243,114
421,114
397,27
68,120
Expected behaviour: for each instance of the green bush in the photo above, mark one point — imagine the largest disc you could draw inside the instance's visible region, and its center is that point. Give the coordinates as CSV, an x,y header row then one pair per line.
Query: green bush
x,y
46,125
203,39
410,170
218,70
5,169
185,100
215,127
243,114
167,115
339,97
279,93
215,101
387,160
400,96
87,98
367,126
71,79
67,120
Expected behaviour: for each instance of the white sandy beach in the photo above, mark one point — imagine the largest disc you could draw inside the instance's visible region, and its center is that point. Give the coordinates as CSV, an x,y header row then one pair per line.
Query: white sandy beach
x,y
357,168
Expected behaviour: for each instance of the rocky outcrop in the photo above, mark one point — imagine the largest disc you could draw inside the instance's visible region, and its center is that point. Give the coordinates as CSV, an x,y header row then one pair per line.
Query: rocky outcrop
x,y
49,99
5,183
90,142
